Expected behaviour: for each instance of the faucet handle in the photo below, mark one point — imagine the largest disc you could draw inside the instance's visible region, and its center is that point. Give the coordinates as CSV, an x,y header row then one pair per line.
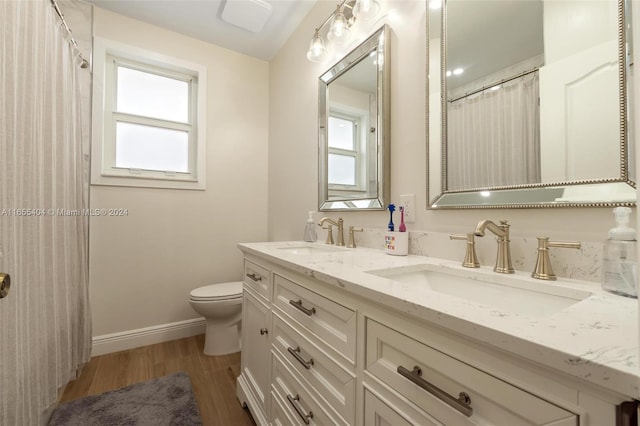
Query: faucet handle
x,y
470,258
543,270
352,237
329,229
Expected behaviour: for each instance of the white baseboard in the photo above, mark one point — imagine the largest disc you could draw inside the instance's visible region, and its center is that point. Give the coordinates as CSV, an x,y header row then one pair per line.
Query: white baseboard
x,y
130,339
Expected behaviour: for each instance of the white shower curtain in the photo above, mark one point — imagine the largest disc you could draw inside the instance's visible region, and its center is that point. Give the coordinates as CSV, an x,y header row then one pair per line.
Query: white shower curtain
x,y
493,138
45,332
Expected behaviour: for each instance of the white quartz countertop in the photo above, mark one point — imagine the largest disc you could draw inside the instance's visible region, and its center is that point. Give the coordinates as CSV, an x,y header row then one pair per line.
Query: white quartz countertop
x,y
595,339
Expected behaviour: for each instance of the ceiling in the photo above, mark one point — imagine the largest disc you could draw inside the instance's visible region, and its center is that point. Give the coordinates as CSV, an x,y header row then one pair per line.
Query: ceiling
x,y
205,20
487,36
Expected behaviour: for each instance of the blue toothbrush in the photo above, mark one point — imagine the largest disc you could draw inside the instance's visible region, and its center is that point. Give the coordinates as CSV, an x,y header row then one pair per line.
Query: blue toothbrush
x,y
392,208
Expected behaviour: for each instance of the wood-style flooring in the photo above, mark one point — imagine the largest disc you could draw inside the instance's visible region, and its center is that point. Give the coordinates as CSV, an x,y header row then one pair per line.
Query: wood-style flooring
x,y
213,377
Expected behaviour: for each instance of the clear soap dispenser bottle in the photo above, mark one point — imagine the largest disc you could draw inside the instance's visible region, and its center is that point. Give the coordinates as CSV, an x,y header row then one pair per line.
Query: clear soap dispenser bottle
x,y
620,265
310,234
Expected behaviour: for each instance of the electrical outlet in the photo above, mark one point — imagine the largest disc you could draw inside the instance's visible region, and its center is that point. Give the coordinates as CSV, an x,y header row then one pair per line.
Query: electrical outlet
x,y
408,201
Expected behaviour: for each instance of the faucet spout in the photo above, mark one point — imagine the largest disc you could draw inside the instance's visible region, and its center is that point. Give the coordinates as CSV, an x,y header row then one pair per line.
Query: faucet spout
x,y
487,224
327,219
503,259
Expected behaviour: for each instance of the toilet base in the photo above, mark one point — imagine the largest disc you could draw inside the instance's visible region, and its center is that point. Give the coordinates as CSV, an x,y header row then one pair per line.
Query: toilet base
x,y
221,340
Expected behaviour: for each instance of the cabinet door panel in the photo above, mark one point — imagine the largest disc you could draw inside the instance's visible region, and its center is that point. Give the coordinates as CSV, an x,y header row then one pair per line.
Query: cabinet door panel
x,y
493,401
255,346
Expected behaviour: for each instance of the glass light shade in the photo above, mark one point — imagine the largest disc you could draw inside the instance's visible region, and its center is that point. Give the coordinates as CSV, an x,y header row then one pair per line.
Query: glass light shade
x,y
317,50
339,31
366,9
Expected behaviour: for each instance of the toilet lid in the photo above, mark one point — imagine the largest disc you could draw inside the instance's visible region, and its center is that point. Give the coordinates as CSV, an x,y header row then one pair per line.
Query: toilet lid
x,y
221,291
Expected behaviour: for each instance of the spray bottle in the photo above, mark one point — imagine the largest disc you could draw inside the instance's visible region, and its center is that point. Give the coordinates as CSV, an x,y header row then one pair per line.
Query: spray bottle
x,y
620,265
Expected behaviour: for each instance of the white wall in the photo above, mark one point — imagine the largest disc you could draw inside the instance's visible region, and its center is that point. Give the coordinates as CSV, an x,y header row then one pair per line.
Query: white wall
x,y
143,266
293,144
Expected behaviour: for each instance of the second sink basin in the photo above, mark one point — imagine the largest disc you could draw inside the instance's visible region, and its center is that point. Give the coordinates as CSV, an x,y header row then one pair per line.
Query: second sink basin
x,y
505,292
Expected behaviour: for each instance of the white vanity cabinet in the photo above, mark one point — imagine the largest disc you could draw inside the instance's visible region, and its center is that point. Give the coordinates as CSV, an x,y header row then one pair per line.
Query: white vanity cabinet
x,y
254,380
334,357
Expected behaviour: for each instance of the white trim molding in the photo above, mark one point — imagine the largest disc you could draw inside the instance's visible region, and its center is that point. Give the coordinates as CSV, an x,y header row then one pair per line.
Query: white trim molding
x,y
130,339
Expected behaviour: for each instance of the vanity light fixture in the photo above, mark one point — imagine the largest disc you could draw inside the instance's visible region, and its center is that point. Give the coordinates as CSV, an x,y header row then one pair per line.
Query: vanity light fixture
x,y
339,25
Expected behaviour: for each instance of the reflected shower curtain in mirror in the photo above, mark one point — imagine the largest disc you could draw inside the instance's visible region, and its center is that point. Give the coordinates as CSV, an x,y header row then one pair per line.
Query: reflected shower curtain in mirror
x,y
493,137
45,332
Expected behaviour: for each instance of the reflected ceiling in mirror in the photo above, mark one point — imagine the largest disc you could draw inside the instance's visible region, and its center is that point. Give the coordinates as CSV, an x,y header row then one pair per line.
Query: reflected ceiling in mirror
x,y
353,121
527,102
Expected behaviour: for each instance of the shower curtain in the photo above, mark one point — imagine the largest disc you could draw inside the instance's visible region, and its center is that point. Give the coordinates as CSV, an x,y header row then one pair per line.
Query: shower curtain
x,y
45,331
493,137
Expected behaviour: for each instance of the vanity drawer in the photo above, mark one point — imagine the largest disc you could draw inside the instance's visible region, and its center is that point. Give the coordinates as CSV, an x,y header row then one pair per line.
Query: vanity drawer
x,y
280,415
331,322
330,381
296,399
395,359
258,278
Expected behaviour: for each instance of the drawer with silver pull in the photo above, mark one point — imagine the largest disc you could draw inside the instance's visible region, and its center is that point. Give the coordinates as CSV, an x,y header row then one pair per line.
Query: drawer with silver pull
x,y
258,278
294,397
332,322
331,381
449,390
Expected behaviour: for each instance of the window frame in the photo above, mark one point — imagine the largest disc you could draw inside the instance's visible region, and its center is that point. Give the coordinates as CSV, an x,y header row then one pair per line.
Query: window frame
x,y
108,55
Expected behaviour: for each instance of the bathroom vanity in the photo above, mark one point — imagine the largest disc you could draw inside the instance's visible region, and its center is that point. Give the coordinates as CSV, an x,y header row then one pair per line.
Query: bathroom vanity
x,y
335,336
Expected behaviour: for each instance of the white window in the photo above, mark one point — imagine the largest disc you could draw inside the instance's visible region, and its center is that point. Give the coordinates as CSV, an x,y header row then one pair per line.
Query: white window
x,y
148,119
345,168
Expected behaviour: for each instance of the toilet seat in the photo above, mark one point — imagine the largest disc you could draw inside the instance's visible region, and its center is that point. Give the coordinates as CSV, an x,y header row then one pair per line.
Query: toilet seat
x,y
224,291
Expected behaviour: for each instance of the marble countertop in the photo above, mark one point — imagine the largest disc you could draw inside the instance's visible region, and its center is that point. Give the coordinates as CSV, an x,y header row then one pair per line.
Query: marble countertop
x,y
595,339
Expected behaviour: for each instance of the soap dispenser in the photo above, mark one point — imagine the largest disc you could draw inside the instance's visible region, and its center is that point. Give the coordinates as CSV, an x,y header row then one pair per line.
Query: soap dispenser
x,y
619,263
310,234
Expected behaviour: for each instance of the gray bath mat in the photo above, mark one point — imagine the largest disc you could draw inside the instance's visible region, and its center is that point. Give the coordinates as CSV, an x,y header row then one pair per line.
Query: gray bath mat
x,y
165,401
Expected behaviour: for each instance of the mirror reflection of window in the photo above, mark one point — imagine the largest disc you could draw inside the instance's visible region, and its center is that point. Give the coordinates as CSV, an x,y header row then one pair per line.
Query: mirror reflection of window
x,y
345,152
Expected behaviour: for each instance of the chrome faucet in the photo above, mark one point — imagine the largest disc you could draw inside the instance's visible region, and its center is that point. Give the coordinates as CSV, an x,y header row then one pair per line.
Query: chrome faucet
x,y
339,224
503,259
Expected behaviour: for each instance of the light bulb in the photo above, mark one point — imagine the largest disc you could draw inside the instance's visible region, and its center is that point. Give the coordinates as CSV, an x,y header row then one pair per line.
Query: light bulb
x,y
366,9
339,31
317,51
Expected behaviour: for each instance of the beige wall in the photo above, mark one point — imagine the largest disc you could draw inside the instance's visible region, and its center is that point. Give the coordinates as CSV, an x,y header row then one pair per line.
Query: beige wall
x,y
262,174
143,266
293,144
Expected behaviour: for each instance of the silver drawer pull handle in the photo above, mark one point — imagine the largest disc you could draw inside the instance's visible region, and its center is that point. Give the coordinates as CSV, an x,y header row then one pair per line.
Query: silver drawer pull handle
x,y
263,331
296,354
304,416
298,304
255,277
462,403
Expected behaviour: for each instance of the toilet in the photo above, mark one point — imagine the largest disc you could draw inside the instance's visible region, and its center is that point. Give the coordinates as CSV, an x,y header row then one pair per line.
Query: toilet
x,y
221,306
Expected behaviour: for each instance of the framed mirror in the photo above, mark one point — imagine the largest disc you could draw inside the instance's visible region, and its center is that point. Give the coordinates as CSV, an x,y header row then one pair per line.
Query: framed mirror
x,y
353,128
528,104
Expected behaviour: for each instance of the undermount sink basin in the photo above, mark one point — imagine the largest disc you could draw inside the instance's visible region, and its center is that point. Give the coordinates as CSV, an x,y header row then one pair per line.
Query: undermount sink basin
x,y
505,292
310,249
